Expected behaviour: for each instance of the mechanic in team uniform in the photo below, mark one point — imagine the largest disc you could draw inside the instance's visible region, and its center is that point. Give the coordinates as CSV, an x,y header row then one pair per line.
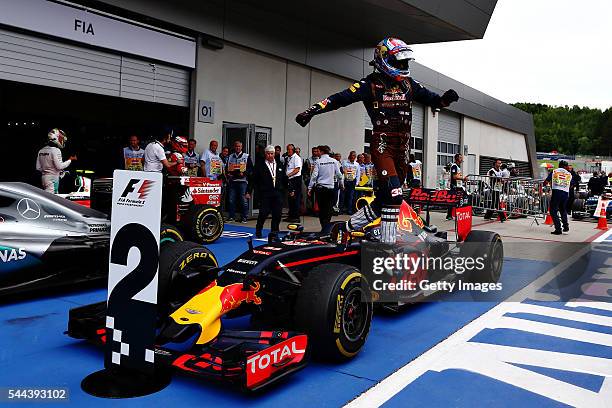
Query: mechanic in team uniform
x,y
496,174
49,160
560,179
192,159
352,173
325,171
457,180
415,172
239,169
133,155
387,95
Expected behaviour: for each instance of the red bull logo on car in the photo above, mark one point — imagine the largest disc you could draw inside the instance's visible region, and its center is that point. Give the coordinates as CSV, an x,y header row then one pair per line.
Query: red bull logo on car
x,y
234,295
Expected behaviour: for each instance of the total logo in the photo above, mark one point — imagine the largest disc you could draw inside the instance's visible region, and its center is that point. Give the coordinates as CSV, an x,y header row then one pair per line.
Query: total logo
x,y
262,365
8,254
136,192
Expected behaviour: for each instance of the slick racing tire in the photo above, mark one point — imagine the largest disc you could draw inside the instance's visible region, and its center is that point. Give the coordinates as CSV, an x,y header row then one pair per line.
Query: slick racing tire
x,y
489,246
577,209
184,269
329,308
169,233
205,224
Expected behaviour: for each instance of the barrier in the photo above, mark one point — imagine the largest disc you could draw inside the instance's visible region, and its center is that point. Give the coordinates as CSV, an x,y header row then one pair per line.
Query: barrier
x,y
516,196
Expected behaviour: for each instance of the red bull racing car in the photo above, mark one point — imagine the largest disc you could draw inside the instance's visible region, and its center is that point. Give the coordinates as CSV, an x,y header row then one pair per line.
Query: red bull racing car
x,y
305,292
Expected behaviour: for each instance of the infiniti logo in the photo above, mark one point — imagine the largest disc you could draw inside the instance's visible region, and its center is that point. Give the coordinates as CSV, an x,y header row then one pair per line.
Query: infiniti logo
x,y
28,209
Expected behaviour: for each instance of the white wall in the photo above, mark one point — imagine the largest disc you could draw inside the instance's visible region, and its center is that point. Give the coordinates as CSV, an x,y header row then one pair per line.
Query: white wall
x,y
246,86
342,129
484,139
250,87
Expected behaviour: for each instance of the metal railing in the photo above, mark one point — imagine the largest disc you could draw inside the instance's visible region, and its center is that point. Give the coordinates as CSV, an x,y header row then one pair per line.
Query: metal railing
x,y
517,196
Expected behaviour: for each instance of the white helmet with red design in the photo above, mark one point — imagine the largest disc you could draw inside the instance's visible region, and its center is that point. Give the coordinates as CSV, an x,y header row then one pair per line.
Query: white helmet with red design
x,y
57,137
179,144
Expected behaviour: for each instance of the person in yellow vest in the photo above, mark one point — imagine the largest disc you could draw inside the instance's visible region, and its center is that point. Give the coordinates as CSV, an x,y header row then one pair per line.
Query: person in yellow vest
x,y
133,155
560,180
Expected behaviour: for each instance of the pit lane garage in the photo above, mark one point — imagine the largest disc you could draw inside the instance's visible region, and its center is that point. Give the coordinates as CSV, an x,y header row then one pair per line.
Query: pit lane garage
x,y
97,127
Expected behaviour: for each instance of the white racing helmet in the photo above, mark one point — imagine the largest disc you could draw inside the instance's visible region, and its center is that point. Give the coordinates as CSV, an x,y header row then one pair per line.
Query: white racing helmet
x,y
57,137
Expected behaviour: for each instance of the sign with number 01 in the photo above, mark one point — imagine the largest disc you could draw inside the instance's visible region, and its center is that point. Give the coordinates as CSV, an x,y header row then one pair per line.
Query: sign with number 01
x,y
133,269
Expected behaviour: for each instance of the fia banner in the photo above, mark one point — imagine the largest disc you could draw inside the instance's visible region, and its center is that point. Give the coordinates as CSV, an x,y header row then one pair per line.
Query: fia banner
x,y
133,271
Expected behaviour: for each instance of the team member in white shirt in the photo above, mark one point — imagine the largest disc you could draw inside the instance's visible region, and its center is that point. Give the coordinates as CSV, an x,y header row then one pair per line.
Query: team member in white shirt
x,y
496,175
293,170
49,160
155,154
322,180
211,163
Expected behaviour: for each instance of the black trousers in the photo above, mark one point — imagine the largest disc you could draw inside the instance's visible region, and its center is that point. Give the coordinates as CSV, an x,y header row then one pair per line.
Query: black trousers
x,y
270,203
295,200
495,198
326,199
558,205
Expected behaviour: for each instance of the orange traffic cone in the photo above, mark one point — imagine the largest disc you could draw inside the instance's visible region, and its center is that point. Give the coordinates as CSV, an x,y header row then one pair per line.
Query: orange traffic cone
x,y
602,223
548,220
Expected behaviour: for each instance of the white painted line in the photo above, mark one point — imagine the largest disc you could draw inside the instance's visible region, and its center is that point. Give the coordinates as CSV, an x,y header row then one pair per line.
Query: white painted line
x,y
393,384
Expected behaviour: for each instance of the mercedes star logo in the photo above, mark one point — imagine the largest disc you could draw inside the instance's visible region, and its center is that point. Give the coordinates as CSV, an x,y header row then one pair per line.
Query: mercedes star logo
x,y
28,209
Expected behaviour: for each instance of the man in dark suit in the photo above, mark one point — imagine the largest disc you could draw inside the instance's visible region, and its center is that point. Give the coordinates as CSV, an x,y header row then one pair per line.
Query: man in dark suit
x,y
267,179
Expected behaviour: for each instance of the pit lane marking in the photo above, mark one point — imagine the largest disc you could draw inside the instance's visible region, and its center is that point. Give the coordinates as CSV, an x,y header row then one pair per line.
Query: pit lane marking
x,y
493,360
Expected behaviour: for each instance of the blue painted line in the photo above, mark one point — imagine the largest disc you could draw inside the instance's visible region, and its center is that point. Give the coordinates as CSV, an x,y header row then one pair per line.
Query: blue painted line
x,y
518,338
456,388
583,380
562,322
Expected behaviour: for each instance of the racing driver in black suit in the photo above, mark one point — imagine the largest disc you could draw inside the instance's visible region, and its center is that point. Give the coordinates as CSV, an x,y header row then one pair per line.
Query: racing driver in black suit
x,y
387,94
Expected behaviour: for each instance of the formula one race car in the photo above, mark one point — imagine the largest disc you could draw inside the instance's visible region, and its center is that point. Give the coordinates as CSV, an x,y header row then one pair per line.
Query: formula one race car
x,y
586,207
299,282
191,203
46,239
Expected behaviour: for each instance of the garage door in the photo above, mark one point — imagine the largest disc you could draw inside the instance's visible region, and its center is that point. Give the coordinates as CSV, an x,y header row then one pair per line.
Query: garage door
x,y
418,113
449,128
486,163
25,58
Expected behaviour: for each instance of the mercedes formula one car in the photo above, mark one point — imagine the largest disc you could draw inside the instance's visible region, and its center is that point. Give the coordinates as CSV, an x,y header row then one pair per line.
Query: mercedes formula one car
x,y
46,239
303,291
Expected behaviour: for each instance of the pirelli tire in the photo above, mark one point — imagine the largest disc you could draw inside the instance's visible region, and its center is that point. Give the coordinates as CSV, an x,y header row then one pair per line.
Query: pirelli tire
x,y
168,233
205,224
329,308
578,209
184,268
488,246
